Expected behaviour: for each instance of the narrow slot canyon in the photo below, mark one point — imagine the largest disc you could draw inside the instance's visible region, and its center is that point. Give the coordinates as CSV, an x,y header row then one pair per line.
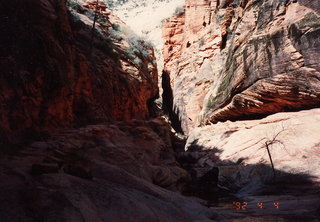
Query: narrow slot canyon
x,y
159,110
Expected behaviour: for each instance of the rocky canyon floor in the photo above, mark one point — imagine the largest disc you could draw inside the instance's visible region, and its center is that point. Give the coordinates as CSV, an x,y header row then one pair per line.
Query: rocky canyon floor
x,y
159,110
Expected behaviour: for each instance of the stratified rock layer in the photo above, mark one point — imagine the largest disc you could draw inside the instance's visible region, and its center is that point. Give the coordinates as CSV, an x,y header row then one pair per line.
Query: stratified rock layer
x,y
54,74
242,59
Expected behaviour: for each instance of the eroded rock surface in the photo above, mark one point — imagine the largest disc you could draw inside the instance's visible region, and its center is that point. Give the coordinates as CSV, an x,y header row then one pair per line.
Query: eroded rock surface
x,y
55,74
234,68
238,60
239,149
242,59
235,156
127,164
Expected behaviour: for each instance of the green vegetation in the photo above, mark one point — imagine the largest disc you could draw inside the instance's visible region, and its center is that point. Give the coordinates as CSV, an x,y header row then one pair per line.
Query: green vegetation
x,y
164,20
223,92
74,4
219,18
137,61
310,20
103,37
201,41
179,11
177,62
116,27
139,48
115,35
110,3
115,3
226,75
102,20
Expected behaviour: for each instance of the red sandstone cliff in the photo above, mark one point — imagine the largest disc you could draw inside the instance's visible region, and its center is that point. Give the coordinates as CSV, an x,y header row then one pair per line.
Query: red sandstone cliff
x,y
55,75
50,79
215,54
235,68
231,60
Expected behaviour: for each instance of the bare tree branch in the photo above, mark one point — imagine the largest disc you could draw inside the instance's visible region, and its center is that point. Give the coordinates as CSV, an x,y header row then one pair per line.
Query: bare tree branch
x,y
94,26
268,145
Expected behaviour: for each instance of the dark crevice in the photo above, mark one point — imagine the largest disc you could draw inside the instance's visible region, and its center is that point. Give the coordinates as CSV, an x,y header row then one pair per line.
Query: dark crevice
x,y
224,41
167,106
152,106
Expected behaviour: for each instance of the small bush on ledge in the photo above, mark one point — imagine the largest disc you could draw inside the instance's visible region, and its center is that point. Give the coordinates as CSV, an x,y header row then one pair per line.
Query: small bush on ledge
x,y
179,11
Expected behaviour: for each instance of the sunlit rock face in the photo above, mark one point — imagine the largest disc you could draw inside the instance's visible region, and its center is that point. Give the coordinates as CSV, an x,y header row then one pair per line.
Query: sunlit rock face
x,y
242,59
54,74
146,17
292,138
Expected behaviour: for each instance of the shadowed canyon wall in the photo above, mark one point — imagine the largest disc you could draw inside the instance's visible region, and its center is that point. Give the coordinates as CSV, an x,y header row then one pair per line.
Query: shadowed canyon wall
x,y
244,59
54,76
66,89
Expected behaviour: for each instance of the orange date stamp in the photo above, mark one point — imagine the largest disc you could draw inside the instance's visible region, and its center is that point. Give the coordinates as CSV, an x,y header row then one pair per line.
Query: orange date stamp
x,y
244,205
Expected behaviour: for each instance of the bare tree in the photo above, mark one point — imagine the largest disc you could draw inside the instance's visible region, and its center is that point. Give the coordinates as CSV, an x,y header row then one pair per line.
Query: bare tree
x,y
269,144
94,26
